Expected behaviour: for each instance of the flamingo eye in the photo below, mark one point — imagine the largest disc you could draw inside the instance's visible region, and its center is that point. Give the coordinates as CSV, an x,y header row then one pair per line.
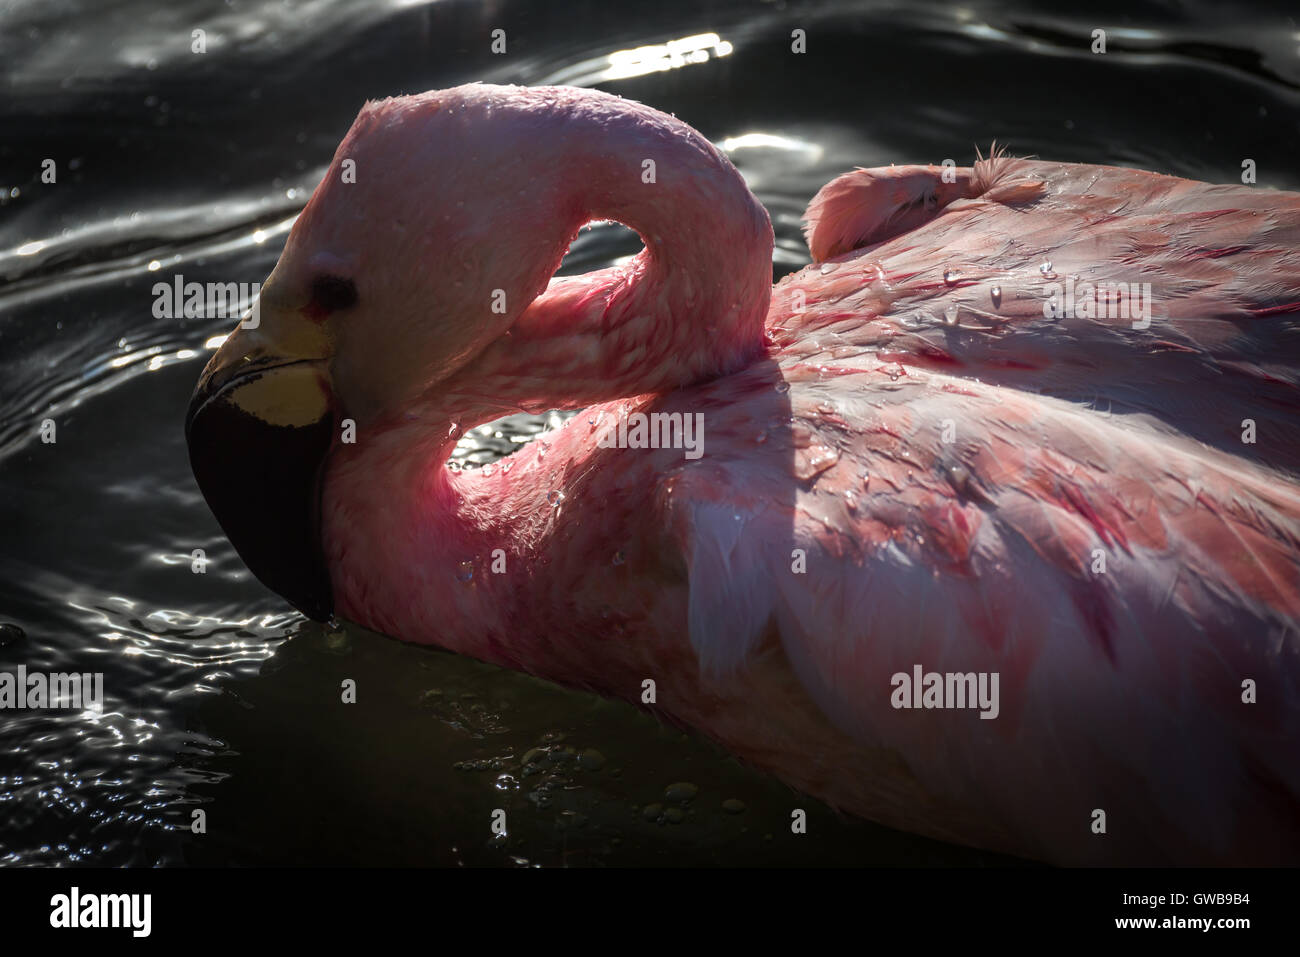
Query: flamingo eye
x,y
330,294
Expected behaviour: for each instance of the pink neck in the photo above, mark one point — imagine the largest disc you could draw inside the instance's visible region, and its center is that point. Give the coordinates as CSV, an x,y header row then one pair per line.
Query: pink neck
x,y
399,528
690,306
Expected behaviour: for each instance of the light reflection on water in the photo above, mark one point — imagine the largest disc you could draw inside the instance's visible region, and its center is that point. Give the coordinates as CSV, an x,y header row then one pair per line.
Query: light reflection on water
x,y
217,698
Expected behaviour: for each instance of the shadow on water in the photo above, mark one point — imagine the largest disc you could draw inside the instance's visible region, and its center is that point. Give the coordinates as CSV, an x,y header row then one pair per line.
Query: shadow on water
x,y
412,772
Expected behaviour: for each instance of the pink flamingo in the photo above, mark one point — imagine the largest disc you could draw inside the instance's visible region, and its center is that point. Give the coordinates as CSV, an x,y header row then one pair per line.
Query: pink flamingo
x,y
908,466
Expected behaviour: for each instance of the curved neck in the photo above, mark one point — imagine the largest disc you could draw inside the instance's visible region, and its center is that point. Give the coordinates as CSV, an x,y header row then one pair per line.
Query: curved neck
x,y
691,306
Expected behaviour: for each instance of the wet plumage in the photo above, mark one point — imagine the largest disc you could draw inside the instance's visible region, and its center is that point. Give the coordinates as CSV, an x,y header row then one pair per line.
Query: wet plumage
x,y
905,462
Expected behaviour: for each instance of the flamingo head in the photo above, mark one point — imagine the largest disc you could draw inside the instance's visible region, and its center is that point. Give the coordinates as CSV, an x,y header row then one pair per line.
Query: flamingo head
x,y
436,229
403,266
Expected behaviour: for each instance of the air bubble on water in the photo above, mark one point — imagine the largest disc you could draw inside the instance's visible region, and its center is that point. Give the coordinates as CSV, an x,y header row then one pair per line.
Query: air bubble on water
x,y
950,316
996,293
619,558
465,572
782,386
866,480
681,792
1046,270
828,268
554,498
950,276
455,427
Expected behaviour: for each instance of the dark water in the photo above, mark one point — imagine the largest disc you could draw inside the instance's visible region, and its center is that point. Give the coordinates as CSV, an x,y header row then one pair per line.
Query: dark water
x,y
167,161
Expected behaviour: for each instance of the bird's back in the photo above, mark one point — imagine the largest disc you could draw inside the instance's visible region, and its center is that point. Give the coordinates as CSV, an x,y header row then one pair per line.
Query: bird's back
x,y
1066,503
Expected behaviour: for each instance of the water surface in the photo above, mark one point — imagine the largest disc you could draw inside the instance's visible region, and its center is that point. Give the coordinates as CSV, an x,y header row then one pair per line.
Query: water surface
x,y
218,697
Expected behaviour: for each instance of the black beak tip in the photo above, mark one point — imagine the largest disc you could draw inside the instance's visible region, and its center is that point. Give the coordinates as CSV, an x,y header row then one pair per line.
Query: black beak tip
x,y
263,484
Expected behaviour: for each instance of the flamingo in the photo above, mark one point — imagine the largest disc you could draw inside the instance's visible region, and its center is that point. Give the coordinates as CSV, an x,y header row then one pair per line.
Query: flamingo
x,y
917,456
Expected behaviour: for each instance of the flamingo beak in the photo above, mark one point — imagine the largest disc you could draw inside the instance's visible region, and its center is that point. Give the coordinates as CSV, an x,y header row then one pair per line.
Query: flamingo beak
x,y
259,429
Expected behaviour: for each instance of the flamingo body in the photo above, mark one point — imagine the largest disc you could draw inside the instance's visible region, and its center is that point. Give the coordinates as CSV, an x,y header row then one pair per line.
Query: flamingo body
x,y
905,463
